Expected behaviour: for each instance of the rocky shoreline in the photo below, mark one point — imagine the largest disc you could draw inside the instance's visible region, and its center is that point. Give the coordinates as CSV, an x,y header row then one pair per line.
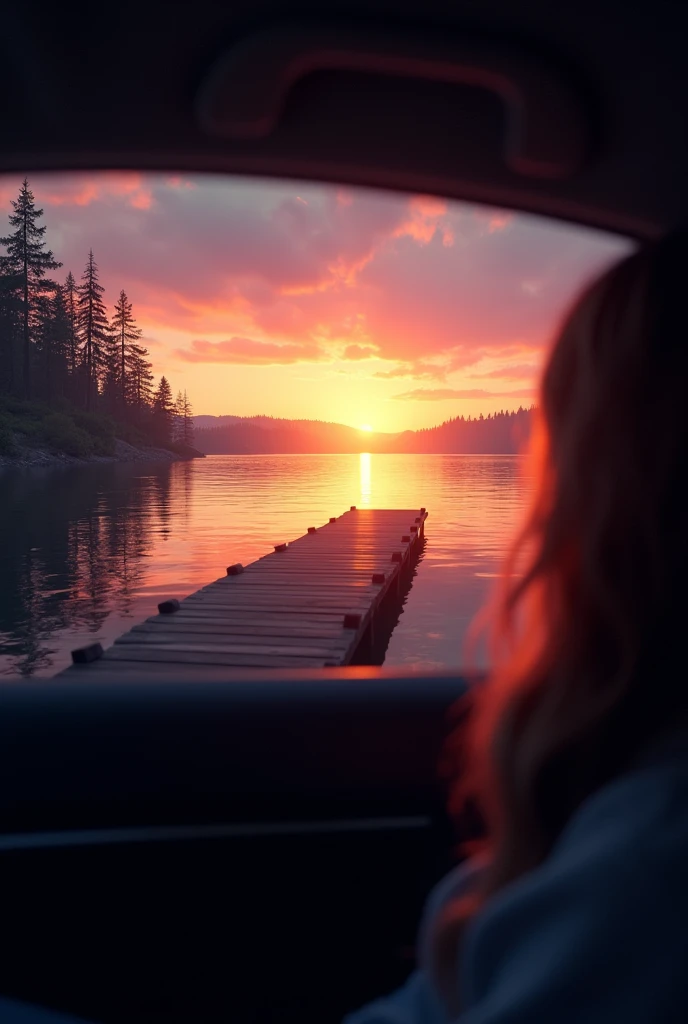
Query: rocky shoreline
x,y
27,457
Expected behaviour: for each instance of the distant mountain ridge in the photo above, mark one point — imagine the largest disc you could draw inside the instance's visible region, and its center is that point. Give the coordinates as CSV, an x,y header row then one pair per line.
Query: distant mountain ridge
x,y
502,433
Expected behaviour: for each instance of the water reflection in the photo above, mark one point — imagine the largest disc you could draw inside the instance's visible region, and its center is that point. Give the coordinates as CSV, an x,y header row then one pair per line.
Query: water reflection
x,y
87,550
74,544
365,479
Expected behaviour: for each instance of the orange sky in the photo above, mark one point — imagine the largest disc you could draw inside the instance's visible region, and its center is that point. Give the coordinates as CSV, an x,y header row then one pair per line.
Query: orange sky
x,y
313,301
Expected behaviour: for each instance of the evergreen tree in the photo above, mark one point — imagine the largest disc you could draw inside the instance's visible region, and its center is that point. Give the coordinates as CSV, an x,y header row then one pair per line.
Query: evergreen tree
x,y
55,340
71,298
53,344
126,335
28,258
178,420
187,423
109,376
140,383
10,327
93,327
163,412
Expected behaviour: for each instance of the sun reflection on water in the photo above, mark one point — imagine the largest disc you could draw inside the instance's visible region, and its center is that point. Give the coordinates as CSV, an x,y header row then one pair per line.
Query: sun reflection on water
x,y
365,478
122,537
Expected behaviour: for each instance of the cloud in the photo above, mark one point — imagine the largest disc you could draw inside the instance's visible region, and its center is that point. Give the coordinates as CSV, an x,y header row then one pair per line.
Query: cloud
x,y
221,239
424,300
178,181
85,189
268,271
354,352
499,221
445,394
248,351
149,341
519,371
419,370
427,218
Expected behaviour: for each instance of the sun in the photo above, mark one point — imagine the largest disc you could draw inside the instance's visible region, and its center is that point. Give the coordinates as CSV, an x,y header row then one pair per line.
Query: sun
x,y
366,426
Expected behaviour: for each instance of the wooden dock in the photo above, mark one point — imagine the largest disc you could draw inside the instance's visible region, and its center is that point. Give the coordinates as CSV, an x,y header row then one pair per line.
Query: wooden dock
x,y
308,604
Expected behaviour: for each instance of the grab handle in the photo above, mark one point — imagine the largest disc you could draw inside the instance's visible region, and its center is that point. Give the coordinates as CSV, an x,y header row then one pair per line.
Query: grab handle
x,y
245,91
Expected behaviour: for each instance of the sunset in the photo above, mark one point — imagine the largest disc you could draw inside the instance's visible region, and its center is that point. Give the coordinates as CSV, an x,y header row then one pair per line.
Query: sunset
x,y
296,300
343,548
216,368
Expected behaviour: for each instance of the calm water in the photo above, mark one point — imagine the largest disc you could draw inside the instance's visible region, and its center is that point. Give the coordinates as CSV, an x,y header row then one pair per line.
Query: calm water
x,y
87,551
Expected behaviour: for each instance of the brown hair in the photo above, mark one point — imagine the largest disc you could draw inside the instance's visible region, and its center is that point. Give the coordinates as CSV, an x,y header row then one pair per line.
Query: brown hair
x,y
590,615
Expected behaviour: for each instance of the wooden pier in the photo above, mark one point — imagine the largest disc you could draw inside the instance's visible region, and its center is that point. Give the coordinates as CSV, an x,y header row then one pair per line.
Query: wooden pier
x,y
308,604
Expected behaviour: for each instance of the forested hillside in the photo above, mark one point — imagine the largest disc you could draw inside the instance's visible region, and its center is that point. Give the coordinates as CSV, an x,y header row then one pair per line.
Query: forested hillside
x,y
502,433
74,372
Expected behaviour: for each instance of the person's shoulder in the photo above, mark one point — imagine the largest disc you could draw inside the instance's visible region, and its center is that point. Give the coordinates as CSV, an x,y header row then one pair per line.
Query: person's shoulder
x,y
632,830
605,914
596,933
638,817
615,877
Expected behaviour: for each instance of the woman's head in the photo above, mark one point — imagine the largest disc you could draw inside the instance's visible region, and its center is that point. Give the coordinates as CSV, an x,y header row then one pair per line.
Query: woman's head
x,y
591,608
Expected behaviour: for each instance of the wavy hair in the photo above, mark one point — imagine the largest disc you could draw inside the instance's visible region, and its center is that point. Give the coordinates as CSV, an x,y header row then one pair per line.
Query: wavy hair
x,y
587,625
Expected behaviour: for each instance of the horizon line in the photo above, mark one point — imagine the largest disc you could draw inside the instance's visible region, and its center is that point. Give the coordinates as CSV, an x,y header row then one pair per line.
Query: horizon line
x,y
373,430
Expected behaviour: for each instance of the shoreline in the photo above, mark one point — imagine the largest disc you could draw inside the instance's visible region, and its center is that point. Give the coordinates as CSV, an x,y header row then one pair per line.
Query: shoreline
x,y
35,458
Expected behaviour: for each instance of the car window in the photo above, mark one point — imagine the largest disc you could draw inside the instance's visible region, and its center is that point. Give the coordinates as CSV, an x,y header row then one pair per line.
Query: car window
x,y
323,347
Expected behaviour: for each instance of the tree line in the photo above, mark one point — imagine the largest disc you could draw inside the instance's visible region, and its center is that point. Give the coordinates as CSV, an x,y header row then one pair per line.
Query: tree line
x,y
498,433
59,345
501,433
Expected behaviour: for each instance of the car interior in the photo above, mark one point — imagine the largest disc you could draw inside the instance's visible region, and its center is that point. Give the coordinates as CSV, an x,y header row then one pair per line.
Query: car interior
x,y
258,849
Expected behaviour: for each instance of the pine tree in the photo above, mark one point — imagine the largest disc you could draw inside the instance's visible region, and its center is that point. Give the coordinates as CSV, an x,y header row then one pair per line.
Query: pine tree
x,y
10,327
109,376
93,327
53,344
126,335
71,298
140,383
188,425
55,340
28,257
163,412
178,421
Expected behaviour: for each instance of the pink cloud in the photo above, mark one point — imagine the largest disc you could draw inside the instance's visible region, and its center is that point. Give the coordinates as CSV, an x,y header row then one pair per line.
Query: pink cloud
x,y
141,200
498,221
248,351
493,220
86,189
313,271
177,181
427,217
209,242
444,394
522,371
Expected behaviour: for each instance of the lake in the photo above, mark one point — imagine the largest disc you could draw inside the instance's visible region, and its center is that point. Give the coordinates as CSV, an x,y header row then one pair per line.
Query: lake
x,y
86,551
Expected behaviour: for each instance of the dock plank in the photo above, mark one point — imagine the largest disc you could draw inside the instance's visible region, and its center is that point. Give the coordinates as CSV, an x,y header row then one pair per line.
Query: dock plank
x,y
307,605
212,657
200,627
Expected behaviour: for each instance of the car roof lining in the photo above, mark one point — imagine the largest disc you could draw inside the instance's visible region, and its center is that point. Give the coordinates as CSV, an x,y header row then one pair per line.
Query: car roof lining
x,y
66,110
